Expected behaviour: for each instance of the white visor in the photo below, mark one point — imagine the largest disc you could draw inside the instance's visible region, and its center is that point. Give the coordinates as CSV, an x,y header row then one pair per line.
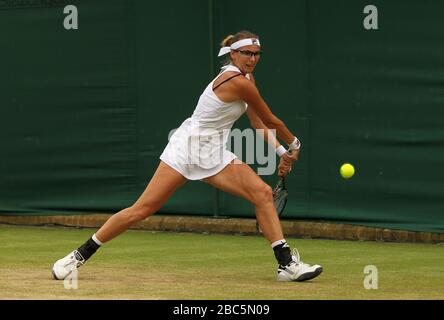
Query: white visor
x,y
239,44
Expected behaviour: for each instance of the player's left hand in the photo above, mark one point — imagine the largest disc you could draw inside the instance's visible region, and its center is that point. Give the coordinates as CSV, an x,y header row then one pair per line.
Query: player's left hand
x,y
290,158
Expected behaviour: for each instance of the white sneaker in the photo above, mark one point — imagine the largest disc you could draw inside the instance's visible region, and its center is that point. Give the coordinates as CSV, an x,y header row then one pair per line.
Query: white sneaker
x,y
296,270
63,267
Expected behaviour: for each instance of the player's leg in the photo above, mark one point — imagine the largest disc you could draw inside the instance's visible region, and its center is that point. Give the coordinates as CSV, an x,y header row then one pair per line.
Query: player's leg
x,y
240,180
162,185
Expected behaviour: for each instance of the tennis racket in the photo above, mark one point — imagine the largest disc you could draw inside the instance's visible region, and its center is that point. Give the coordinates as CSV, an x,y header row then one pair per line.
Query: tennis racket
x,y
280,196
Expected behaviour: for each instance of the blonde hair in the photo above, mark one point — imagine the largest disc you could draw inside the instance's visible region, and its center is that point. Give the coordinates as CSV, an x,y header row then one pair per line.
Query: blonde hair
x,y
230,39
227,41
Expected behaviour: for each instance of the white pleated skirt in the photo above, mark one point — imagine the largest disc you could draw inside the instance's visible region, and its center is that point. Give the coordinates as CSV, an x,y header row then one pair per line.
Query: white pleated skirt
x,y
194,154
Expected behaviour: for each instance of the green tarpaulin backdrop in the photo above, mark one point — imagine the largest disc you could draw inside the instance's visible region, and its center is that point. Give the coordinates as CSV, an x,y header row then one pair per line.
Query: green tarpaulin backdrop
x,y
85,114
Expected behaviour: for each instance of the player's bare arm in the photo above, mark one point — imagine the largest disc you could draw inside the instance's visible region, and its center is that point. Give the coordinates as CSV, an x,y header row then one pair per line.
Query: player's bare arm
x,y
247,91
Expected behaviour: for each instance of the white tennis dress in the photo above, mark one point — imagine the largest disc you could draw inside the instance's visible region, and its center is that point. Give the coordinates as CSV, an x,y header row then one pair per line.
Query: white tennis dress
x,y
197,149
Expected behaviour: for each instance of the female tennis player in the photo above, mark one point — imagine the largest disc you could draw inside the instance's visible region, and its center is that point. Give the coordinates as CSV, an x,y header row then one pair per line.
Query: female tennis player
x,y
196,151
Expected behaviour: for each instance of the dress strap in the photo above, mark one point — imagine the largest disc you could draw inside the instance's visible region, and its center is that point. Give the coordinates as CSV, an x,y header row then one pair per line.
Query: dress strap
x,y
229,67
228,79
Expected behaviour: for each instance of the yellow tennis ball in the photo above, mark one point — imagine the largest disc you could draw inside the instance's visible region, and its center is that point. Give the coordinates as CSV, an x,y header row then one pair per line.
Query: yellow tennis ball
x,y
347,171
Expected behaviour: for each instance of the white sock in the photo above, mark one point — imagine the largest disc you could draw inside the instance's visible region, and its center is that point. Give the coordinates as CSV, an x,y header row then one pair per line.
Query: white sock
x,y
276,243
96,240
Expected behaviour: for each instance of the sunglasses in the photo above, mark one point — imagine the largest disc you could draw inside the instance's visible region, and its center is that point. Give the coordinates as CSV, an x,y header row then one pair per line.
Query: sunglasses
x,y
250,53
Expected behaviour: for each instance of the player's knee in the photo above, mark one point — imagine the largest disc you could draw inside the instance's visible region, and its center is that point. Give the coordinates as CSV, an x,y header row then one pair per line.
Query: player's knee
x,y
140,212
263,195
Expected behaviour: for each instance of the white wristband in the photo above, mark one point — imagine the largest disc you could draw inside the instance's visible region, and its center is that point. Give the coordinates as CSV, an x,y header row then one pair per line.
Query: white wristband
x,y
295,145
280,151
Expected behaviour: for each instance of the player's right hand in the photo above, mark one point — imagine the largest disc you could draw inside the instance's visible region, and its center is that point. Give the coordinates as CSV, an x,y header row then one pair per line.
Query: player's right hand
x,y
284,168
